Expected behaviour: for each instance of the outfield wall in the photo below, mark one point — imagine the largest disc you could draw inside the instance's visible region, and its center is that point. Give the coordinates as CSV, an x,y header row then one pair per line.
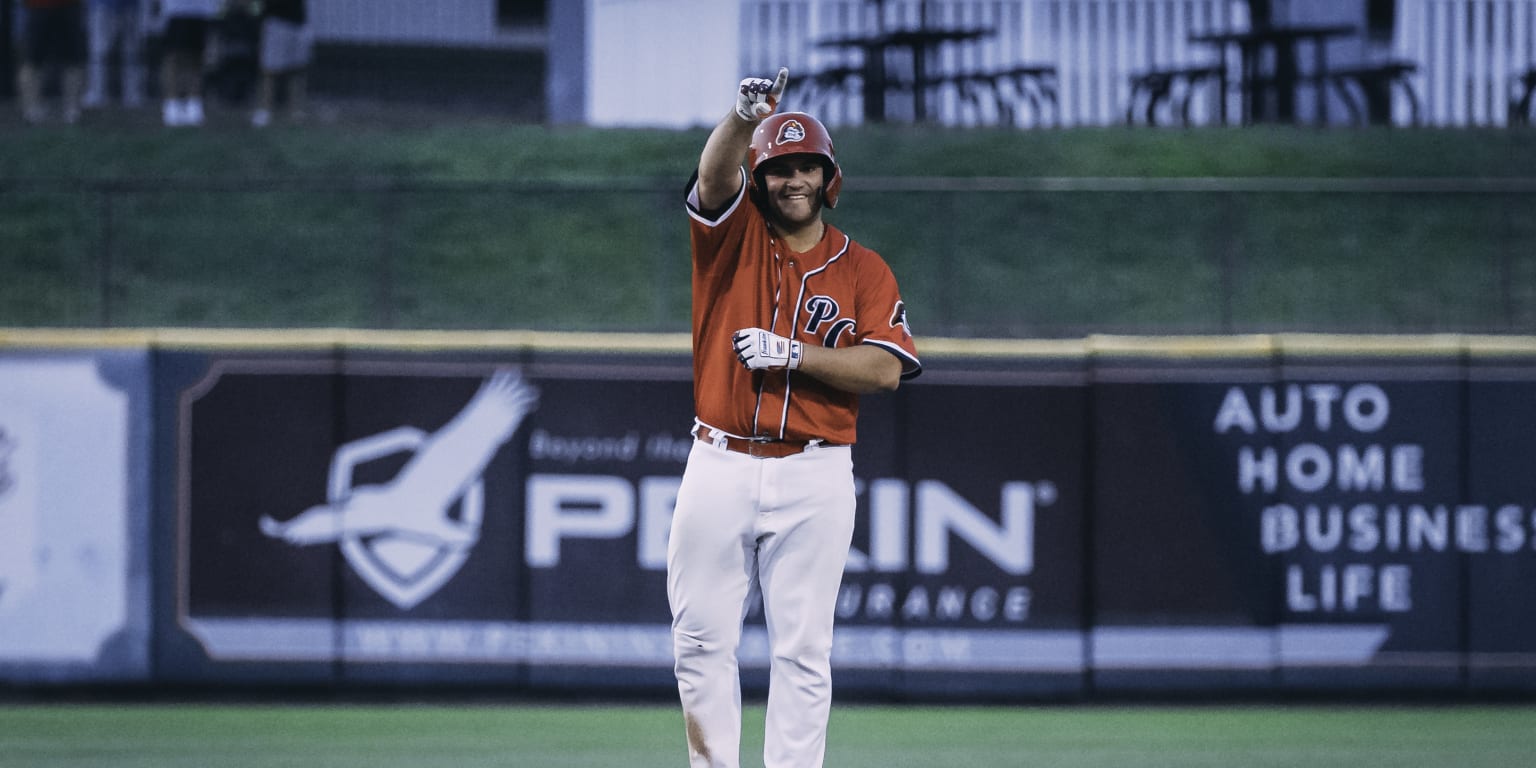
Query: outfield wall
x,y
1037,519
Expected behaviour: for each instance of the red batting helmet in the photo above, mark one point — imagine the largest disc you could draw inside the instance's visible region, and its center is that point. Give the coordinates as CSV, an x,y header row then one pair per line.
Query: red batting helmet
x,y
795,133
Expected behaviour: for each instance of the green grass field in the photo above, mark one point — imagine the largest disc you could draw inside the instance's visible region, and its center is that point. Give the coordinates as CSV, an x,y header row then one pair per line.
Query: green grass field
x,y
596,736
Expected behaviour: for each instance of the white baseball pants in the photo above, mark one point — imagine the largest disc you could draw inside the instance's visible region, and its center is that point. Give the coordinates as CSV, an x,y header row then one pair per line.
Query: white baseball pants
x,y
781,526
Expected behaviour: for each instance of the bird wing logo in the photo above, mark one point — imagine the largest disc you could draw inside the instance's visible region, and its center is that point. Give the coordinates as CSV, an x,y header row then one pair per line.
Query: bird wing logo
x,y
402,537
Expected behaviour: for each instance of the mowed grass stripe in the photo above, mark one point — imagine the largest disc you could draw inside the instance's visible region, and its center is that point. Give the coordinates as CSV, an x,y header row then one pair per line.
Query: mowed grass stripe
x,y
386,736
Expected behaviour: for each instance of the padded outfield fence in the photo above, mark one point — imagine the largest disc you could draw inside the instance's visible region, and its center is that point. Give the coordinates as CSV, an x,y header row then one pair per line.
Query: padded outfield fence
x,y
977,257
1082,518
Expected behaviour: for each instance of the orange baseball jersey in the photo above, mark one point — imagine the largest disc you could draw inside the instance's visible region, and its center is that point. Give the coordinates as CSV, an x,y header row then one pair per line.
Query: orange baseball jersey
x,y
838,294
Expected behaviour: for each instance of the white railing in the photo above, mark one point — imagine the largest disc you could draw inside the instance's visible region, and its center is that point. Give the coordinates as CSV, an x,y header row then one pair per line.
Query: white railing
x,y
1096,46
1469,53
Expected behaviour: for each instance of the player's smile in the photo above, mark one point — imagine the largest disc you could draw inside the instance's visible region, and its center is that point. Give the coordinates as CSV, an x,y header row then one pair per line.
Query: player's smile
x,y
798,204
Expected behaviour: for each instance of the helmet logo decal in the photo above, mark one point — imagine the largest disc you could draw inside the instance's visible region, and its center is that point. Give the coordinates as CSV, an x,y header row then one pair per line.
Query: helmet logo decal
x,y
790,132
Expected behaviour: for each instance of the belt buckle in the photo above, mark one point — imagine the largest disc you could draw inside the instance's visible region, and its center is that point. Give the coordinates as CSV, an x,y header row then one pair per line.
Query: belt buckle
x,y
757,447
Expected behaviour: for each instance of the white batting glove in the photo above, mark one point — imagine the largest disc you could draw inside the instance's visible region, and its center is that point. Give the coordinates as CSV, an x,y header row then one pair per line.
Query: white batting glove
x,y
765,350
759,97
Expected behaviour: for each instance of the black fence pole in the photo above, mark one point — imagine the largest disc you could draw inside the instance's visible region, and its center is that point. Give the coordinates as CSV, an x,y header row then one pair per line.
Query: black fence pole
x,y
1510,316
1229,255
384,285
104,259
7,50
663,255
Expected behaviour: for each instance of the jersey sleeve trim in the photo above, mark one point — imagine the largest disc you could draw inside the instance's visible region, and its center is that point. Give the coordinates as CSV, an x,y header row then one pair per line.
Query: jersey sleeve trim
x,y
910,366
712,218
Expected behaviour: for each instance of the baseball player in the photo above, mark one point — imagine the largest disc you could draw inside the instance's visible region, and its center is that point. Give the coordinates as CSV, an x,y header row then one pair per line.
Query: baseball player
x,y
792,321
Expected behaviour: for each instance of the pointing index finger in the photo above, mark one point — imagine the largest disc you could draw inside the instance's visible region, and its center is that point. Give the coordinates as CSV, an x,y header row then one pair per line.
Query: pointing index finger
x,y
780,82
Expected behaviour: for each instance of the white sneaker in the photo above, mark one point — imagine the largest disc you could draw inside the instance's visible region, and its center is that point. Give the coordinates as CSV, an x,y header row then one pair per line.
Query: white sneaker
x,y
93,100
194,112
171,113
261,118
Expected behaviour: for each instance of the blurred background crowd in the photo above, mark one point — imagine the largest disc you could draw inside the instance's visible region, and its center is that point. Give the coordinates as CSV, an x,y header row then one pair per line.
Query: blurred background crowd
x,y
77,55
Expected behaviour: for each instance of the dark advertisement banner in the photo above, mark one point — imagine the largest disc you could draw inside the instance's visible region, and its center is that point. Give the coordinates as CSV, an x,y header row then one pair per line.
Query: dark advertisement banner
x,y
989,498
380,514
400,519
1365,484
243,441
1180,594
1312,523
1058,526
606,456
1498,526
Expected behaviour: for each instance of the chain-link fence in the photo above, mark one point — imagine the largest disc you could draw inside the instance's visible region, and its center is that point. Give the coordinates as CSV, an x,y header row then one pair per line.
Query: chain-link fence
x,y
975,257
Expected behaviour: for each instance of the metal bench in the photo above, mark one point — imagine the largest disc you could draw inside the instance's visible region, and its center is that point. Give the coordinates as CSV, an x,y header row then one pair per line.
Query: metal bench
x,y
815,91
1521,101
1367,90
1010,91
1175,86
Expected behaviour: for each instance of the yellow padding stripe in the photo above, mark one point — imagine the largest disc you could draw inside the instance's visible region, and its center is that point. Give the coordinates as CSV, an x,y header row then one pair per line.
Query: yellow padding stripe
x,y
341,338
1165,347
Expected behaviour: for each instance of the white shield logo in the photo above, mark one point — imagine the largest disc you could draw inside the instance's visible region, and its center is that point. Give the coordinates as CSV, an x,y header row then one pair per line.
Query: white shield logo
x,y
409,536
402,567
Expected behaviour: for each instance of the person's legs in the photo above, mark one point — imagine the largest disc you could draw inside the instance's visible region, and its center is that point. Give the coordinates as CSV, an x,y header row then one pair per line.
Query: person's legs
x,y
71,50
55,37
190,77
269,60
710,561
285,54
130,40
29,84
266,90
181,79
298,71
808,510
100,28
298,94
71,83
171,109
176,41
182,74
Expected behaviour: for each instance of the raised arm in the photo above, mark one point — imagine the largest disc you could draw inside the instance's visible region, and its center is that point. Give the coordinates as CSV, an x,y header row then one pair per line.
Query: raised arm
x,y
720,162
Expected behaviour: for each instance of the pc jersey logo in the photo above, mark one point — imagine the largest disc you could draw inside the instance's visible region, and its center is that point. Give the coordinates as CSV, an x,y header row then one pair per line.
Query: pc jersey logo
x,y
822,312
402,537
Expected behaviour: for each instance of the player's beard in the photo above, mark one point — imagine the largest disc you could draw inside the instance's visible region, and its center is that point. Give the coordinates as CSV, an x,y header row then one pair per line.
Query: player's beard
x,y
796,214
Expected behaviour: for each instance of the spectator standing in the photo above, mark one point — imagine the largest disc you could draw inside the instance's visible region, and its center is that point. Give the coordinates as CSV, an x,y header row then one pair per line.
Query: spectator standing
x,y
55,40
116,23
186,24
287,45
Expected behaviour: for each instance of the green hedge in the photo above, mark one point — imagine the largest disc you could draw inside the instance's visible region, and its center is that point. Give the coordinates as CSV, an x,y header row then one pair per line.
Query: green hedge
x,y
480,224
